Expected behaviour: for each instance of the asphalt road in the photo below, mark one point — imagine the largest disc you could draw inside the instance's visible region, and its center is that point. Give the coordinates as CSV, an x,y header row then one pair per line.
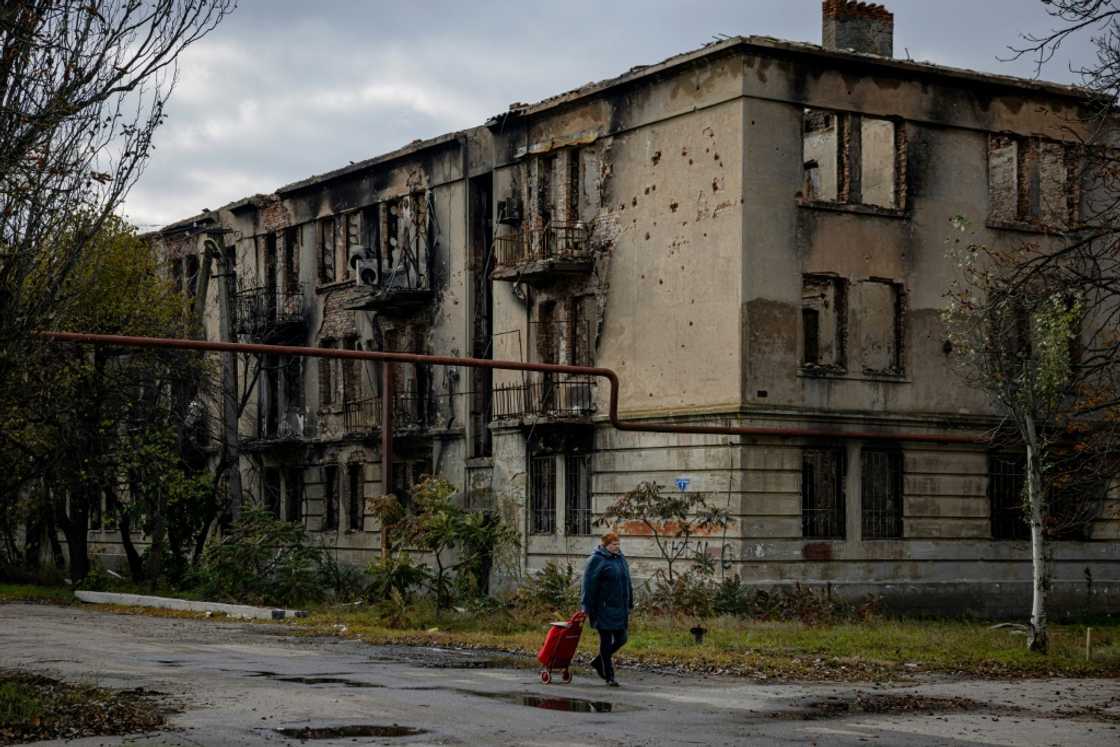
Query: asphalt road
x,y
241,684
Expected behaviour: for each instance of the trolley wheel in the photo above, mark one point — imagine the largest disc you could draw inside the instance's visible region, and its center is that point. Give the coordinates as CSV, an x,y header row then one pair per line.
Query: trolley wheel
x,y
566,676
546,676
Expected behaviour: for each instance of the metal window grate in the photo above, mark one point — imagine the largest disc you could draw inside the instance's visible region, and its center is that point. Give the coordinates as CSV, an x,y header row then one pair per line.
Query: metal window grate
x,y
542,495
822,494
1006,478
881,488
577,504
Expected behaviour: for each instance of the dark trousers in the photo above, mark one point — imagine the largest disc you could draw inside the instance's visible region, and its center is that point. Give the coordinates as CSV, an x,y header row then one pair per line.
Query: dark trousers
x,y
609,642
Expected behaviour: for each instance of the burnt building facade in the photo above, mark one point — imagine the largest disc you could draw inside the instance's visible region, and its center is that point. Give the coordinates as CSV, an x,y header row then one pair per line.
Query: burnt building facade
x,y
750,233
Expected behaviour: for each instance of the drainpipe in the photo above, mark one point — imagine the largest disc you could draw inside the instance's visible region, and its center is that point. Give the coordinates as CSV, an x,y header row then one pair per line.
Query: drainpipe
x,y
445,360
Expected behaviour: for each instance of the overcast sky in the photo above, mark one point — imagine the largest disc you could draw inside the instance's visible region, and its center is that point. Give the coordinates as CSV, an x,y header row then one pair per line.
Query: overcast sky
x,y
284,89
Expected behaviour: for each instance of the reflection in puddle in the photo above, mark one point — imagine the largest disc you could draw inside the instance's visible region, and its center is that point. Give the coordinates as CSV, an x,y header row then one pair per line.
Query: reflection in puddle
x,y
342,732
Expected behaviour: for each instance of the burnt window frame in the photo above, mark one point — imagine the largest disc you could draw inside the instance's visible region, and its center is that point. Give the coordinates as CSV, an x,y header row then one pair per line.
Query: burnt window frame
x,y
293,494
849,162
883,522
898,327
355,499
811,528
331,474
328,261
1028,200
841,293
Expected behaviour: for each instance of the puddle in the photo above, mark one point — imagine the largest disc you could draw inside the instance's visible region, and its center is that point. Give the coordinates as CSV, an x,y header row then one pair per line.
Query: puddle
x,y
838,707
169,662
574,705
314,680
342,732
468,664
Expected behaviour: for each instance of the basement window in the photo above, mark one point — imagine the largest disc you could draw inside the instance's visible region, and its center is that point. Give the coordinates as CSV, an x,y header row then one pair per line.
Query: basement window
x,y
881,327
852,159
1031,180
823,321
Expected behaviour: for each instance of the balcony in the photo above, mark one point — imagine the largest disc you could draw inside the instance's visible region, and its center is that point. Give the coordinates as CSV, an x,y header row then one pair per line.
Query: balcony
x,y
414,412
270,314
274,431
546,398
542,252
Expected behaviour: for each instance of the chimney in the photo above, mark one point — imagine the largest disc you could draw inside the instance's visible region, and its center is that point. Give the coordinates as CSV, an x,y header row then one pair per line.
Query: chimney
x,y
857,26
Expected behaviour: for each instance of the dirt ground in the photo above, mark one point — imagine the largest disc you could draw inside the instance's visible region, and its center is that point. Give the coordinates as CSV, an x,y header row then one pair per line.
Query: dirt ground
x,y
233,683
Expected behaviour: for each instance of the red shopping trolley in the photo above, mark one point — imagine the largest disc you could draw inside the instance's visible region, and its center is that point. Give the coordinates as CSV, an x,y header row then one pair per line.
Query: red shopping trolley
x,y
560,647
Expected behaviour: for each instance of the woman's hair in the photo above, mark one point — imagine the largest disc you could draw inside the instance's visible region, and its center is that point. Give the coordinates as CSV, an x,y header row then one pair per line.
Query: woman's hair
x,y
608,538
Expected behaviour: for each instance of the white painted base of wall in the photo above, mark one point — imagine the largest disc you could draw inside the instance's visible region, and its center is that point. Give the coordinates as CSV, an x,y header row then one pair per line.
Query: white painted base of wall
x,y
233,610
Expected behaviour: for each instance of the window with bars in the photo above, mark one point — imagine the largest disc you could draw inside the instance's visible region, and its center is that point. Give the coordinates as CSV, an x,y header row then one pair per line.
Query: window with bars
x,y
1006,479
822,493
330,496
881,493
577,496
542,494
356,508
294,494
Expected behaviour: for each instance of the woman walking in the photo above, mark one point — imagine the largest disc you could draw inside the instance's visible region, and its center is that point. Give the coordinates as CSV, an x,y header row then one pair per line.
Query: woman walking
x,y
608,597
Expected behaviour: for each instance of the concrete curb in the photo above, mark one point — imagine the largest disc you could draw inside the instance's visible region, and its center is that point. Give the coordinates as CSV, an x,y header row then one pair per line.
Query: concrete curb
x,y
242,611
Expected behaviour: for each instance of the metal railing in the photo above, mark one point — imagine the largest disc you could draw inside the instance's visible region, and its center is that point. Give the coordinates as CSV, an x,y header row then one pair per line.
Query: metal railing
x,y
545,396
260,312
554,241
362,415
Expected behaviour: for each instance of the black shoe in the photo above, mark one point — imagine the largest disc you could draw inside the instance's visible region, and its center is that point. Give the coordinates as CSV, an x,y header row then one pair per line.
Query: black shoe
x,y
597,665
613,683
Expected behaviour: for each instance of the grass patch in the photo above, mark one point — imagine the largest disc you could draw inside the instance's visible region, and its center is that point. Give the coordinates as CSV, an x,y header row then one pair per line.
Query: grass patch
x,y
34,708
39,594
771,650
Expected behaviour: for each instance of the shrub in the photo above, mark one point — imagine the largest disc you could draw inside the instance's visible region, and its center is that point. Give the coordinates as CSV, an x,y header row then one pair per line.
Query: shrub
x,y
262,560
346,582
396,575
552,587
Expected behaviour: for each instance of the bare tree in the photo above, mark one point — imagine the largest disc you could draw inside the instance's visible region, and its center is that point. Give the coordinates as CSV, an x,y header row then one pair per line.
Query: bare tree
x,y
83,86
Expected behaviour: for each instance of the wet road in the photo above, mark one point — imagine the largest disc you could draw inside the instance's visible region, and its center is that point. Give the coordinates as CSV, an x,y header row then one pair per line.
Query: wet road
x,y
241,684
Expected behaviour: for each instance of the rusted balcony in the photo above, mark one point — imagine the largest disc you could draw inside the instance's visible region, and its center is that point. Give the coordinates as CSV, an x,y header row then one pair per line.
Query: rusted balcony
x,y
276,432
546,398
270,313
414,412
361,416
540,252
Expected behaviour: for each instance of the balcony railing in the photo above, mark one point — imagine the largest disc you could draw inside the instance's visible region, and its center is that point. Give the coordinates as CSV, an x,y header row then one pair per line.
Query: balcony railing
x,y
362,415
545,396
267,311
554,241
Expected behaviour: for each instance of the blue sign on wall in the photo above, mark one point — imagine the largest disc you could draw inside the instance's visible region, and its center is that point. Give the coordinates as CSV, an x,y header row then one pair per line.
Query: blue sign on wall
x,y
682,484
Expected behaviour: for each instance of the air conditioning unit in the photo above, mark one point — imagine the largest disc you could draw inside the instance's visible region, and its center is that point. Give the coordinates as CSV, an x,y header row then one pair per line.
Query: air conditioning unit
x,y
364,265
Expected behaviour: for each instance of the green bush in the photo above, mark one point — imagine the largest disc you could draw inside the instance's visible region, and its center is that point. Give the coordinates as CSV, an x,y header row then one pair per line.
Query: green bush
x,y
396,575
346,583
262,560
553,587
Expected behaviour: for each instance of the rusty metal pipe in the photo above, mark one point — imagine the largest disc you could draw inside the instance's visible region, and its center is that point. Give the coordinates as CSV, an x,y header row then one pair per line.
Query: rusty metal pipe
x,y
444,360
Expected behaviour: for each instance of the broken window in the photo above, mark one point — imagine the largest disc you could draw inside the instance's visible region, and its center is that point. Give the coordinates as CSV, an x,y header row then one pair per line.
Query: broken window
x,y
330,496
352,229
1031,180
542,494
270,488
824,319
822,493
881,493
851,158
326,250
270,397
1006,480
881,326
293,383
577,495
291,259
293,486
356,507
326,376
192,275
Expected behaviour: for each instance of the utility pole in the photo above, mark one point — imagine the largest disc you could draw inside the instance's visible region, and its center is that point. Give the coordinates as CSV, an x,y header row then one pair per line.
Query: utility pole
x,y
232,444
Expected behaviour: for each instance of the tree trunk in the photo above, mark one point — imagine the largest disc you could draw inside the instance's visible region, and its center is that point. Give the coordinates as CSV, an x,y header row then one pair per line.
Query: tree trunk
x,y
135,563
1038,640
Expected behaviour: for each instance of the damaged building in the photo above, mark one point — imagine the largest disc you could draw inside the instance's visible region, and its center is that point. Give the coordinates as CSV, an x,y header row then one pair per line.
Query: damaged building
x,y
751,233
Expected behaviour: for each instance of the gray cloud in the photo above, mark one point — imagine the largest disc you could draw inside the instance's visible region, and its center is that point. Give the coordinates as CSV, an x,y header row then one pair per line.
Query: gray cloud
x,y
288,88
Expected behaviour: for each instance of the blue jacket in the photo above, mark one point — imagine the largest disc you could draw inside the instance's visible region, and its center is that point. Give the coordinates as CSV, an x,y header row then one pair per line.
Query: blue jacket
x,y
608,595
